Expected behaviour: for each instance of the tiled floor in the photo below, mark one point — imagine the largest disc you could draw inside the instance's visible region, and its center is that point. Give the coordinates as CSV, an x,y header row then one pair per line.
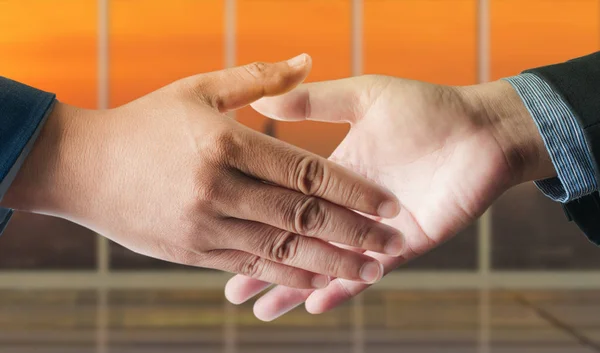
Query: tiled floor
x,y
381,321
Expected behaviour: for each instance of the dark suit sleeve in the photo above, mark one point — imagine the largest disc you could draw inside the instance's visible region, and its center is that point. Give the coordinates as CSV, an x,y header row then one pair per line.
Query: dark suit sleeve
x,y
23,111
578,83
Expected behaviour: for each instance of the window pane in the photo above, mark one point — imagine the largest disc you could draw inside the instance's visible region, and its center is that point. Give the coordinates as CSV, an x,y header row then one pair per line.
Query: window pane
x,y
273,30
529,230
49,320
151,45
166,321
52,48
421,321
406,39
532,232
527,34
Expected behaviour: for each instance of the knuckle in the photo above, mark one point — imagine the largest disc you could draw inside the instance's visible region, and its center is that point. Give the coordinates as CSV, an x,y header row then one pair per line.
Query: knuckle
x,y
202,89
310,175
195,242
186,258
214,100
280,79
309,217
209,91
209,189
179,254
257,69
285,247
224,145
253,267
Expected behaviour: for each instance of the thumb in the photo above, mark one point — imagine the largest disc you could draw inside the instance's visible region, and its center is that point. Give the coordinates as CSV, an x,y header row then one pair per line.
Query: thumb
x,y
237,87
333,101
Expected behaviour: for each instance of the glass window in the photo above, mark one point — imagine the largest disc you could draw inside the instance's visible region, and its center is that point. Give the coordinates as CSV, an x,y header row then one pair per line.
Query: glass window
x,y
527,34
407,39
532,232
273,30
401,321
160,320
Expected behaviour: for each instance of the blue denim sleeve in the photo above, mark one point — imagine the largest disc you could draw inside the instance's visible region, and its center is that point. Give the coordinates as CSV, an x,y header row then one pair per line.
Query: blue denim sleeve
x,y
563,138
23,111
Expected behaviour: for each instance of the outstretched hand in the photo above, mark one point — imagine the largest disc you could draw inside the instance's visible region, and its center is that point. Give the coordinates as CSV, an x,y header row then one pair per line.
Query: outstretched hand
x,y
446,152
172,177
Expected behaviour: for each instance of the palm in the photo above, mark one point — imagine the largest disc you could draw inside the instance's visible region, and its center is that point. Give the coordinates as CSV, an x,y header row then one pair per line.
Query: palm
x,y
419,140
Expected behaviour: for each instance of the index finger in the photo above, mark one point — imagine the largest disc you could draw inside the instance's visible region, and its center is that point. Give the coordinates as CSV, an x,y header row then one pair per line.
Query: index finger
x,y
277,162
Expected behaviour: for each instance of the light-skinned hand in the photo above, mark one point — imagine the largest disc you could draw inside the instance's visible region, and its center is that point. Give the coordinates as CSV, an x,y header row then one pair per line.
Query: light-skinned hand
x,y
446,152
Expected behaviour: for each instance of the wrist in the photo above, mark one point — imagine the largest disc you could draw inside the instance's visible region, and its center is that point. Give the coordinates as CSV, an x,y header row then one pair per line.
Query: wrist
x,y
44,182
499,108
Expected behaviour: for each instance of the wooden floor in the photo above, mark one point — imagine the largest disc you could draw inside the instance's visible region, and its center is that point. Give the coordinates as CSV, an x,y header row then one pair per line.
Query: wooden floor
x,y
407,321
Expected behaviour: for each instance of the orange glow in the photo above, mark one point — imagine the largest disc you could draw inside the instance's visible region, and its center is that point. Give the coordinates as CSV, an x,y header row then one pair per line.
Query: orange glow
x,y
153,44
427,40
273,30
51,45
532,33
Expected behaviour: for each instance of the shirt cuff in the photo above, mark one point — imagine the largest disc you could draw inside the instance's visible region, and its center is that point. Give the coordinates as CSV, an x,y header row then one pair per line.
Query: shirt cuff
x,y
23,112
5,213
4,218
563,138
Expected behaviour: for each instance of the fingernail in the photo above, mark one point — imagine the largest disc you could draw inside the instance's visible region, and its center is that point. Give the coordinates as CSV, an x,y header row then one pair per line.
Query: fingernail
x,y
371,272
389,209
320,281
300,60
394,246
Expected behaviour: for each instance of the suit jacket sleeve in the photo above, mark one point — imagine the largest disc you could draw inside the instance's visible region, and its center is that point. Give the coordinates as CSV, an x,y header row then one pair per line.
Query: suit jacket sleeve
x,y
578,83
23,111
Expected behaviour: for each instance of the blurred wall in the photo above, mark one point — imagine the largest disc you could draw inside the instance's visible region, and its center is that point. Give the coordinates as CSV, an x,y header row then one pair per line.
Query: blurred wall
x,y
53,45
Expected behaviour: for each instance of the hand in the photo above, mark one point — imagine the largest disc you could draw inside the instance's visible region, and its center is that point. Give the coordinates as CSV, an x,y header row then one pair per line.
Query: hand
x,y
446,152
170,176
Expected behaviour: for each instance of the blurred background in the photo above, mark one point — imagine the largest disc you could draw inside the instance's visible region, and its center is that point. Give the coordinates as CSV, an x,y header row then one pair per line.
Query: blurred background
x,y
522,279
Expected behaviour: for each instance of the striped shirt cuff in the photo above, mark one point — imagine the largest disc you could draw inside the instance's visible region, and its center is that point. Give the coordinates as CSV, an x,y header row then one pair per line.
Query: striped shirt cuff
x,y
562,136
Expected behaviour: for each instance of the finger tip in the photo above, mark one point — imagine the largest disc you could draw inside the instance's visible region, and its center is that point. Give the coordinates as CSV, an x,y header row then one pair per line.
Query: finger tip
x,y
320,281
306,66
266,313
261,316
371,272
312,308
301,62
232,295
235,301
394,246
309,60
270,307
315,304
381,272
389,208
315,300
